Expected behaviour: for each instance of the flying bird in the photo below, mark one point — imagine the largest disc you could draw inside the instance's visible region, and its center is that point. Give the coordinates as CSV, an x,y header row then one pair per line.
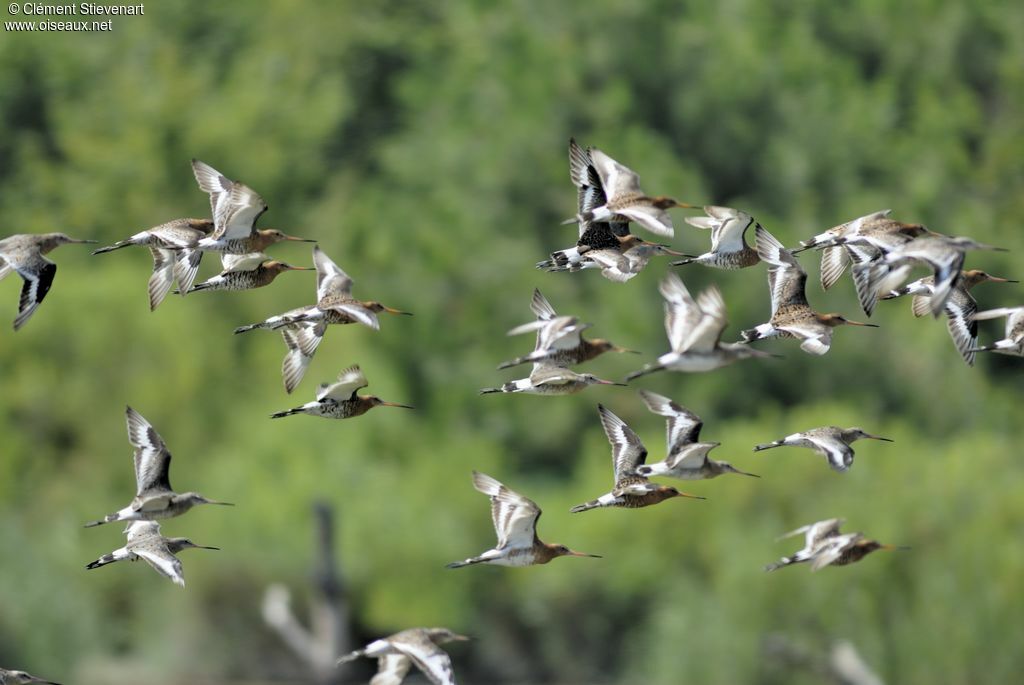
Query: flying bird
x,y
304,327
146,542
1013,340
23,253
155,499
559,340
631,490
235,208
825,546
729,249
960,309
831,442
515,523
694,329
420,646
792,316
339,400
687,457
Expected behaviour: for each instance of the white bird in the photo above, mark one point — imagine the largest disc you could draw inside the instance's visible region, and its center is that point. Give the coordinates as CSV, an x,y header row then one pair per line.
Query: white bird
x,y
625,199
814,535
792,316
831,442
235,208
558,338
396,653
943,254
146,542
960,308
729,249
515,523
155,499
687,458
694,329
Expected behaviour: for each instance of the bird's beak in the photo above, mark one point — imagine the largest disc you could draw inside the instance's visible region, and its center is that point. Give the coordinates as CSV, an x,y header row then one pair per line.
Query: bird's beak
x,y
584,554
996,279
687,205
205,547
389,310
744,473
601,381
624,350
223,504
686,494
299,240
301,268
861,323
84,242
879,437
675,253
461,638
894,548
396,404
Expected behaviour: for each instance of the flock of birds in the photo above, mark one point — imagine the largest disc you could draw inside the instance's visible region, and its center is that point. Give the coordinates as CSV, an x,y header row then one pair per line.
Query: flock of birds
x,y
881,253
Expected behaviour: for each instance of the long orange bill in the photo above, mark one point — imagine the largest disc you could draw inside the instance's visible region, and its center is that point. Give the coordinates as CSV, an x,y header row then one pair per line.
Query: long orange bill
x,y
395,404
901,548
584,554
686,494
1003,280
389,310
299,240
861,323
301,268
624,350
600,381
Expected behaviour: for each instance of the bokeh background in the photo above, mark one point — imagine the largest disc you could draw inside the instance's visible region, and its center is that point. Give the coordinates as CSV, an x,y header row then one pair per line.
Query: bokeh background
x,y
424,146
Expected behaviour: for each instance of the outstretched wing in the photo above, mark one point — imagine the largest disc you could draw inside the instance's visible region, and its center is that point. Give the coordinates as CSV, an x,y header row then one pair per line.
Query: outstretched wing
x,y
160,558
515,517
391,669
302,339
433,661
627,450
37,271
330,279
235,206
152,458
682,426
349,381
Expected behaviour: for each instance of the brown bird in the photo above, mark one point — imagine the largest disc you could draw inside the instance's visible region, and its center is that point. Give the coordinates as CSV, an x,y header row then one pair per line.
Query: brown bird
x,y
175,255
339,400
559,339
23,253
246,272
825,546
625,199
960,309
515,522
792,316
396,654
631,490
235,207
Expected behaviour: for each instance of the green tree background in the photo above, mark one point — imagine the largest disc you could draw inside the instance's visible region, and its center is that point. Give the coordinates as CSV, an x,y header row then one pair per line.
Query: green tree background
x,y
423,145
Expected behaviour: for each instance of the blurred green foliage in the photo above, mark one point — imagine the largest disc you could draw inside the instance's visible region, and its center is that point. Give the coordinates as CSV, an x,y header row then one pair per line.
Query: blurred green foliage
x,y
423,144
